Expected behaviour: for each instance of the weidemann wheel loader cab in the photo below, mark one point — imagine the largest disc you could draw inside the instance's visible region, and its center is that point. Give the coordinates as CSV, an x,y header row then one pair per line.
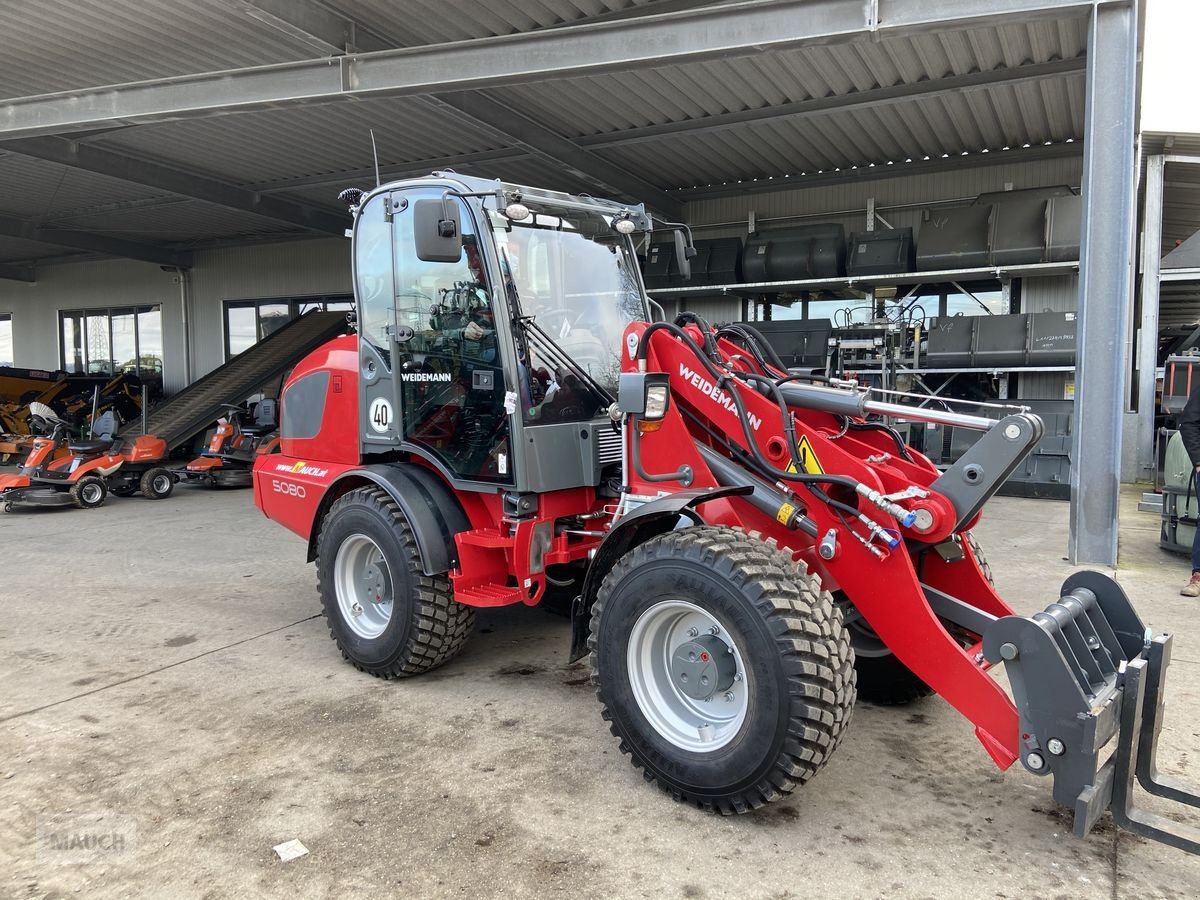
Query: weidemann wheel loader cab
x,y
502,315
491,323
508,423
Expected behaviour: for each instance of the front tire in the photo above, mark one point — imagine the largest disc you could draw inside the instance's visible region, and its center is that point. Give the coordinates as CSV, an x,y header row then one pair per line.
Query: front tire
x,y
157,483
387,617
89,492
716,603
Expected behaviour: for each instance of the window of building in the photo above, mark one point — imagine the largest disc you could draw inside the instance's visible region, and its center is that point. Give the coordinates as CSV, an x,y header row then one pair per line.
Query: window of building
x,y
974,298
125,341
249,321
6,340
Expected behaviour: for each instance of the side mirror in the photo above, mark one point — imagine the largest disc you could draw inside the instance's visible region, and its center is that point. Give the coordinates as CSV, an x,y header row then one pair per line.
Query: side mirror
x,y
683,258
436,231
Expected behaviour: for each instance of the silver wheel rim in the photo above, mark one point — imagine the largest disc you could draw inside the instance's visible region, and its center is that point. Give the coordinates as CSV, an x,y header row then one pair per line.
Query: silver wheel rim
x,y
161,484
363,585
698,725
91,494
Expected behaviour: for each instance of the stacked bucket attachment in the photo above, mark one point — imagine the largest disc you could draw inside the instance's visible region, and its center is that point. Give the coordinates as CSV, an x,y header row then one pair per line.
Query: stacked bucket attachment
x,y
1083,672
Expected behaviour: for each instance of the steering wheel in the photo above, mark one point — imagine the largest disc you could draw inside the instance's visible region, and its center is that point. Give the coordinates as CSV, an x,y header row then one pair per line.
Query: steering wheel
x,y
561,316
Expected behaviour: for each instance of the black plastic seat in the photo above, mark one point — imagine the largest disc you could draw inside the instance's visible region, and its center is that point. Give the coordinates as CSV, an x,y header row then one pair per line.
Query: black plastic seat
x,y
89,446
265,412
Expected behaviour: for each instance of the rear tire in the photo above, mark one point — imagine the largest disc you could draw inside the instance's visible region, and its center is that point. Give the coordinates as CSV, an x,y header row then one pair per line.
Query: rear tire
x,y
772,728
884,680
157,483
386,616
89,492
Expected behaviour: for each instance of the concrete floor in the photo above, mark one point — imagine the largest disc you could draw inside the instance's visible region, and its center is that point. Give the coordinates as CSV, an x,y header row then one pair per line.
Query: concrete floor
x,y
165,676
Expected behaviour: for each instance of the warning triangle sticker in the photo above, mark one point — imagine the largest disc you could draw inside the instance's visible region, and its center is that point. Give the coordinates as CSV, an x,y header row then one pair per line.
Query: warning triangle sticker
x,y
808,459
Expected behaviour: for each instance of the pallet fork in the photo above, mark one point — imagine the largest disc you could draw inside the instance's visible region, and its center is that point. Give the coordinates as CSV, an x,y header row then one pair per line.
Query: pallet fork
x,y
1083,672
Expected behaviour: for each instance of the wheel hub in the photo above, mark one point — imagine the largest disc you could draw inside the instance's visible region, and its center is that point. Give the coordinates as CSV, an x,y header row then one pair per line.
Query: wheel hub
x,y
363,586
703,666
687,675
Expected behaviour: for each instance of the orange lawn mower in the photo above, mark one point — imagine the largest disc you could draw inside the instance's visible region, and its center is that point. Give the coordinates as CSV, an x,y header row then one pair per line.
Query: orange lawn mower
x,y
97,466
241,437
46,448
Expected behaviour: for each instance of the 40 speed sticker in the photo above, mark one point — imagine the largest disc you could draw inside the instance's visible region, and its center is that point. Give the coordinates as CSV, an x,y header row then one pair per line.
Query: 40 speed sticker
x,y
380,415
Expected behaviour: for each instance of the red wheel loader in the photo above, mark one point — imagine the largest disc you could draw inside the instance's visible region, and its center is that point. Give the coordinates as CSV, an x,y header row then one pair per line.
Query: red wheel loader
x,y
752,547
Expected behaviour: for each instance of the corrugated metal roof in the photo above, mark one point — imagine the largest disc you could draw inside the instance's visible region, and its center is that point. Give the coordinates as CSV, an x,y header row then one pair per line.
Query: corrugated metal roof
x,y
921,128
184,221
57,45
269,145
35,189
417,22
17,250
611,102
61,44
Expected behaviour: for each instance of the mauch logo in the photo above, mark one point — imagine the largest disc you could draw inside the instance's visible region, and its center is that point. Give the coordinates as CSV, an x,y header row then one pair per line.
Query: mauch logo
x,y
301,468
86,839
426,376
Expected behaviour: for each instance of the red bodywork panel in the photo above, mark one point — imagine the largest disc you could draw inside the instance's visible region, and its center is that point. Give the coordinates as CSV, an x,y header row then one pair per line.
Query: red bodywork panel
x,y
293,487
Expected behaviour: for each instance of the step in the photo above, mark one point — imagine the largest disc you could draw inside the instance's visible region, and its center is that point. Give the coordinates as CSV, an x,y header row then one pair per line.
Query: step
x,y
1152,497
1150,507
489,595
485,537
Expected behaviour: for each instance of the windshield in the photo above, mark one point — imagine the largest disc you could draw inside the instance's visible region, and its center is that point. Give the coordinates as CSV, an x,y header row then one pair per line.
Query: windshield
x,y
577,278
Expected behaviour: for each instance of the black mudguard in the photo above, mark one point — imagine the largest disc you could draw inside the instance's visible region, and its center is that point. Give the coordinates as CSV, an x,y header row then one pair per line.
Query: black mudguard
x,y
426,501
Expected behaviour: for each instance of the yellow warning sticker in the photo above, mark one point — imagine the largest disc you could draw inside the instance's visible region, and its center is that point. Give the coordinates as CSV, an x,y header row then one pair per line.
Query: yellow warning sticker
x,y
786,511
808,459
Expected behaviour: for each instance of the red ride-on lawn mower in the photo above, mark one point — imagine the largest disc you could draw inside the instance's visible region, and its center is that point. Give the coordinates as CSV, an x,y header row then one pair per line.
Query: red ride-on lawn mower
x,y
47,447
241,436
96,466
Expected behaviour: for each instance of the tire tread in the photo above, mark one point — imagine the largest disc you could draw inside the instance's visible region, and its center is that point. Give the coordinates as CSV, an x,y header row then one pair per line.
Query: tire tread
x,y
440,625
809,637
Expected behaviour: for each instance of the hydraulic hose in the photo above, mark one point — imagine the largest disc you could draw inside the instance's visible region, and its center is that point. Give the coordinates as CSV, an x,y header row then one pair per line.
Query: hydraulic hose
x,y
725,381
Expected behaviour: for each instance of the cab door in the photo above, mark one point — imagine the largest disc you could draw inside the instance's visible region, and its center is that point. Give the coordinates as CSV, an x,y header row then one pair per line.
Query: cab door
x,y
430,356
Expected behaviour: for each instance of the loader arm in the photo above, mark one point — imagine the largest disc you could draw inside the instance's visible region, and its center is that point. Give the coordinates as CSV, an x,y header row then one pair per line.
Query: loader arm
x,y
885,529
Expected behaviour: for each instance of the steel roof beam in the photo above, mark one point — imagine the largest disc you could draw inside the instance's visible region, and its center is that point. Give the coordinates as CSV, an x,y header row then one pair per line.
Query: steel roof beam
x,y
188,184
955,162
93,243
17,273
735,29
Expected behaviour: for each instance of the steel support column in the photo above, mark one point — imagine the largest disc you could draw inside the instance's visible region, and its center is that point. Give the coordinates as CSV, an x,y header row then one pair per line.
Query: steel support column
x,y
1105,280
1147,345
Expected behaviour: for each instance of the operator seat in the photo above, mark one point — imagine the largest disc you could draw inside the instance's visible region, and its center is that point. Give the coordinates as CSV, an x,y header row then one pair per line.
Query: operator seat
x,y
265,414
104,433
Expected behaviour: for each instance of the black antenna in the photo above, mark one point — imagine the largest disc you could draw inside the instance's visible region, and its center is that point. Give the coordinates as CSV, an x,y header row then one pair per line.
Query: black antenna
x,y
375,156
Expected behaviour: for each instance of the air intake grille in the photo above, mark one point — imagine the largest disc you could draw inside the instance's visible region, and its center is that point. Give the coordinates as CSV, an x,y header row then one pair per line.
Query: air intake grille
x,y
609,444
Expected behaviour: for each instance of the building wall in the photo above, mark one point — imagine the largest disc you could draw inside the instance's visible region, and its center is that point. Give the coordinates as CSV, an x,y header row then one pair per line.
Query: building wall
x,y
295,269
87,285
